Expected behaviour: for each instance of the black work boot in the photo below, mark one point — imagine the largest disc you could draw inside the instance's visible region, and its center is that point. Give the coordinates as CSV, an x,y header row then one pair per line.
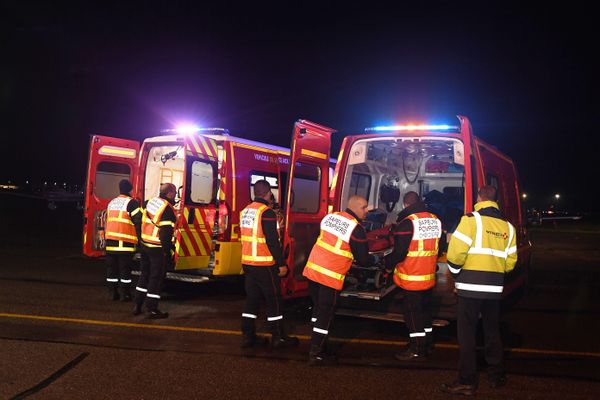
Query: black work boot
x,y
125,293
279,340
459,388
157,314
249,337
137,305
414,352
429,343
253,340
318,357
113,292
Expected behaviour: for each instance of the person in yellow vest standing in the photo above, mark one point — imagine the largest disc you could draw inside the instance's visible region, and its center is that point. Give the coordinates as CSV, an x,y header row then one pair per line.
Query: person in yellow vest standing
x,y
158,225
481,251
341,242
263,264
416,244
123,220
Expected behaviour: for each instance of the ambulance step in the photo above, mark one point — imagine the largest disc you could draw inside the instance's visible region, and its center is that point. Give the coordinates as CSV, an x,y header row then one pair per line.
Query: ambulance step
x,y
181,277
393,317
377,294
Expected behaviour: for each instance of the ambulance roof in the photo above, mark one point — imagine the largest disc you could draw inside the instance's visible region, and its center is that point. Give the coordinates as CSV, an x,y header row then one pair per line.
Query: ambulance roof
x,y
218,138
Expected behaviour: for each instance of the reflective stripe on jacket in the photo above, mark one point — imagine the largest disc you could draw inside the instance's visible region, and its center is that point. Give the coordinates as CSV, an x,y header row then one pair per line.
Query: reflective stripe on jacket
x,y
331,256
417,270
482,249
254,243
119,226
152,221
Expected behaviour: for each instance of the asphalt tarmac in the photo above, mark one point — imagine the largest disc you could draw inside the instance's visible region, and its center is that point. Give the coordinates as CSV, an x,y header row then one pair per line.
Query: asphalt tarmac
x,y
61,338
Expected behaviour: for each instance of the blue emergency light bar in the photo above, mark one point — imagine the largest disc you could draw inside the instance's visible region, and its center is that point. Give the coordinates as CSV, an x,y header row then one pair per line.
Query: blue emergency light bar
x,y
409,128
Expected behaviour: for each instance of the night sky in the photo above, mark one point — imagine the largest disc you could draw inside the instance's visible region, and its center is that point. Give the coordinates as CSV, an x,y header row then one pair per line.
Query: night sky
x,y
527,78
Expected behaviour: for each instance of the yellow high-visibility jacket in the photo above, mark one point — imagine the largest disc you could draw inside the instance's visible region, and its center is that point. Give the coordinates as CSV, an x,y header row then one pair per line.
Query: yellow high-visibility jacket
x,y
482,249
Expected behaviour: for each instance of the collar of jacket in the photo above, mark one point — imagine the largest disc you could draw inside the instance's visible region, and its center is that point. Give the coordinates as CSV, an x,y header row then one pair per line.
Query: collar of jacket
x,y
262,201
349,211
486,204
412,209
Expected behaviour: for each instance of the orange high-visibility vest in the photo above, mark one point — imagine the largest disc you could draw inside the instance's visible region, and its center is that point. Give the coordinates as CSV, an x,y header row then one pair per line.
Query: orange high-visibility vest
x,y
151,221
331,256
119,226
417,270
254,243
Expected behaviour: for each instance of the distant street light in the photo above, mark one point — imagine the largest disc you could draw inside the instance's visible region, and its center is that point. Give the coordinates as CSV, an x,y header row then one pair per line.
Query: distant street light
x,y
557,196
524,195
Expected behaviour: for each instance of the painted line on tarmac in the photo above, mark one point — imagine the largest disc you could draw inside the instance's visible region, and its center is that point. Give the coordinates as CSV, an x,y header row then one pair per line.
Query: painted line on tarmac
x,y
301,337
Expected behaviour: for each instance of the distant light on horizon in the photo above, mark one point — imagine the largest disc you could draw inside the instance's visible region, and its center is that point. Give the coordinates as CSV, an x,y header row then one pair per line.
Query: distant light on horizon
x,y
557,196
524,195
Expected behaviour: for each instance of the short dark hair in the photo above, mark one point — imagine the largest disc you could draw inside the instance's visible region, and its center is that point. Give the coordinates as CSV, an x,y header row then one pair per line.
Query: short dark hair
x,y
488,192
167,188
261,188
411,198
125,186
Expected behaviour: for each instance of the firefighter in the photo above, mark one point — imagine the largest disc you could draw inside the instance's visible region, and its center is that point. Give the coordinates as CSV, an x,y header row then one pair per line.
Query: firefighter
x,y
342,241
481,251
263,264
416,244
158,223
123,220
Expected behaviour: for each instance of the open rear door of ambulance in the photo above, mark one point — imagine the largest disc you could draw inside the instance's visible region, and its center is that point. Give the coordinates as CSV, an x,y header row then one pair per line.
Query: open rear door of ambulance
x,y
306,199
110,160
197,211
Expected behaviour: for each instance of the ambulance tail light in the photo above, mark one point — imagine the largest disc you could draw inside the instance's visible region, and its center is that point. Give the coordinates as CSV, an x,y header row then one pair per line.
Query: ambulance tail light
x,y
223,220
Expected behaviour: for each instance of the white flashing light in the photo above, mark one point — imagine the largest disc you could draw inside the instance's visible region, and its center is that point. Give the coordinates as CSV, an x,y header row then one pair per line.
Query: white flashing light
x,y
187,129
395,128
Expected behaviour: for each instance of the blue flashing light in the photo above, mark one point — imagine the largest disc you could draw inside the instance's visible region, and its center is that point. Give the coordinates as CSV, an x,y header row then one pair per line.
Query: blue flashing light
x,y
408,128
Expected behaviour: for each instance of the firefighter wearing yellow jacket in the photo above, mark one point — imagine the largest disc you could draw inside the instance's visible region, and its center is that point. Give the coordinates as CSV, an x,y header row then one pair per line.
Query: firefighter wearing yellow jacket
x,y
481,251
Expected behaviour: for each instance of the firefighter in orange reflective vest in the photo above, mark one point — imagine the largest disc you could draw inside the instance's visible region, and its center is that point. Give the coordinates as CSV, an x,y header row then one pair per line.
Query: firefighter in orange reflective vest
x,y
416,246
158,224
342,241
263,264
483,248
123,219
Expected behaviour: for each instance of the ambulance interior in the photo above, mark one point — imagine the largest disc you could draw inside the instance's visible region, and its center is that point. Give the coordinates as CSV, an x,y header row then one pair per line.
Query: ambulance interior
x,y
165,164
383,170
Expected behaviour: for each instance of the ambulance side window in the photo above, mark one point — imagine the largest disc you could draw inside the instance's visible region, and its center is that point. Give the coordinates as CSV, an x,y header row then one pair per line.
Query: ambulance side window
x,y
108,175
201,181
256,176
306,189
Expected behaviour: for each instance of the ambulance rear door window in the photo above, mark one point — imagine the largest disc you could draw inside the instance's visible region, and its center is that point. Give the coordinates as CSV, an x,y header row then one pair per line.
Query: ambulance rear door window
x,y
201,179
306,188
108,176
